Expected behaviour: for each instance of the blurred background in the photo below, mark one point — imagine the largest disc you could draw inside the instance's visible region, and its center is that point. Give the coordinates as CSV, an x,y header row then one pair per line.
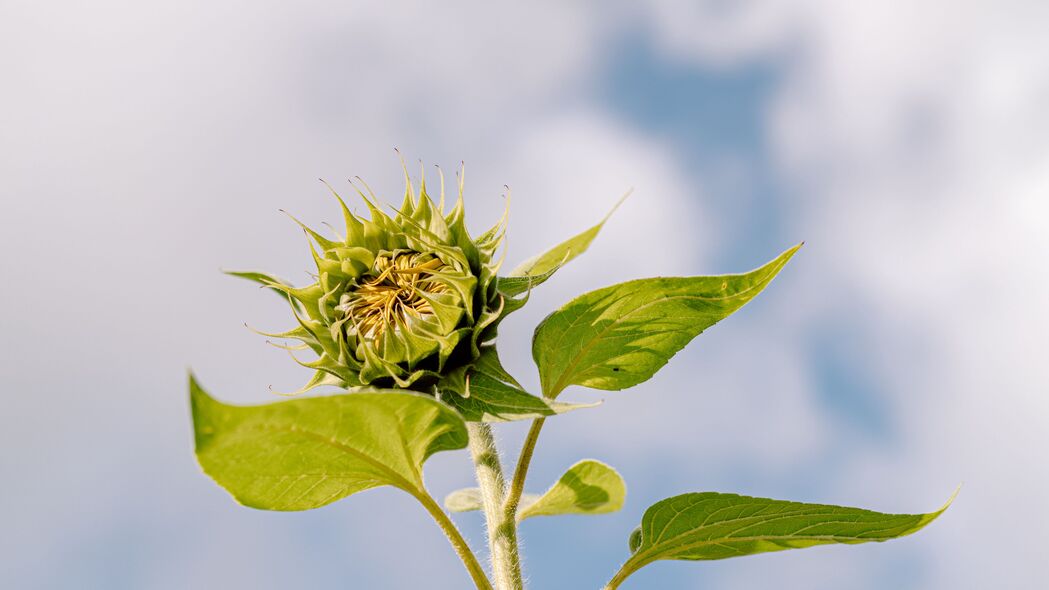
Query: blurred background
x,y
144,145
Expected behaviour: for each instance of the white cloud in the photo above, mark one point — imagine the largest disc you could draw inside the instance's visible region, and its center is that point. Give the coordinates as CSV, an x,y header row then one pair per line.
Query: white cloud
x,y
916,133
145,146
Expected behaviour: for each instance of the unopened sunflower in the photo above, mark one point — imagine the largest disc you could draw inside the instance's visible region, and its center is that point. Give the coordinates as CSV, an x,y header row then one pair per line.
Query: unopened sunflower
x,y
403,300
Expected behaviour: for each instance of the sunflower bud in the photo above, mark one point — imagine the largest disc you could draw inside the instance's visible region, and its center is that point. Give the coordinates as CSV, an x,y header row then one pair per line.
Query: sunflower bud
x,y
401,301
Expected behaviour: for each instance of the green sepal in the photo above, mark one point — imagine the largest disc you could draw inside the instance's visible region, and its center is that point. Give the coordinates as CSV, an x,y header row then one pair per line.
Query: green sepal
x,y
489,400
275,284
513,286
488,363
559,255
486,392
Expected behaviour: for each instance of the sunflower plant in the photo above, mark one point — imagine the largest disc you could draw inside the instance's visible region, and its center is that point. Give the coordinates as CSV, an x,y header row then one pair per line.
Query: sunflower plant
x,y
402,318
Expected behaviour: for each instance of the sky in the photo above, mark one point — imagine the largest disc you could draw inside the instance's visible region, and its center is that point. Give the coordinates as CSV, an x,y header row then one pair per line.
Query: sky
x,y
144,146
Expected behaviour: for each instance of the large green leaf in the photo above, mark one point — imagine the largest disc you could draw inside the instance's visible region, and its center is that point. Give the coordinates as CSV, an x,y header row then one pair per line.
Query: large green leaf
x,y
588,487
710,525
539,268
619,336
490,400
309,452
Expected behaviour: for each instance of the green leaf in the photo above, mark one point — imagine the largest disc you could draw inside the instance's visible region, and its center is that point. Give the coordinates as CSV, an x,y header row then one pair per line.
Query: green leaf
x,y
710,525
635,540
309,452
588,487
491,400
541,267
464,500
619,336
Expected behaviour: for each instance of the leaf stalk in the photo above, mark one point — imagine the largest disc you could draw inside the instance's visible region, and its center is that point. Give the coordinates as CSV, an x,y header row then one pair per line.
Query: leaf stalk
x,y
524,460
462,548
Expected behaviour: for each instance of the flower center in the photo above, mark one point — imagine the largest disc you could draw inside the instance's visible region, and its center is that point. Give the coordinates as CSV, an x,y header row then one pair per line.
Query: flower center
x,y
395,295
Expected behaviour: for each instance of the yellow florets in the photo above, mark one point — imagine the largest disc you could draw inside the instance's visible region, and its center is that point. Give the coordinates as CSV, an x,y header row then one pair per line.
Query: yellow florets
x,y
394,298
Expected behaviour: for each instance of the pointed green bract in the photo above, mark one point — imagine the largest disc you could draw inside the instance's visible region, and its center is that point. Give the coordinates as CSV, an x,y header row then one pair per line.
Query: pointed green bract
x,y
306,453
619,336
490,400
486,392
513,286
539,268
268,281
709,525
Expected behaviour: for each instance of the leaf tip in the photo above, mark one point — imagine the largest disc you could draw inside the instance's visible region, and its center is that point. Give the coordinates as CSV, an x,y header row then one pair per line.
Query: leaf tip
x,y
954,496
194,385
201,406
931,516
628,192
777,264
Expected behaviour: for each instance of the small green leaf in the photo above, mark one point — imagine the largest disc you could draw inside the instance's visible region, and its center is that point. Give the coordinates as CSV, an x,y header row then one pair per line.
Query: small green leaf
x,y
491,400
588,487
710,525
541,267
464,500
619,336
309,452
635,539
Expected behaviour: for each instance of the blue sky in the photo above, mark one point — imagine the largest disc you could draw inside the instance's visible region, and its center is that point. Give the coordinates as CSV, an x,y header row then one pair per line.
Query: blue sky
x,y
900,354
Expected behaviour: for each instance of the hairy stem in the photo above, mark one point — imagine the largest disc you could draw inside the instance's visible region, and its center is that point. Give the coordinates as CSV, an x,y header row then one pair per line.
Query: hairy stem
x,y
513,498
458,542
502,531
624,572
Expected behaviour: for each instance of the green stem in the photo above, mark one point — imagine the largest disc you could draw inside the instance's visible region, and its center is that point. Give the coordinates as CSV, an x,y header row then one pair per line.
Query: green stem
x,y
628,568
615,582
502,531
458,542
513,499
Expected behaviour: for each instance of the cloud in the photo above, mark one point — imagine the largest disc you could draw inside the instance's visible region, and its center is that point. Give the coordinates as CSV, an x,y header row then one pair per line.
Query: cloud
x,y
915,139
144,147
